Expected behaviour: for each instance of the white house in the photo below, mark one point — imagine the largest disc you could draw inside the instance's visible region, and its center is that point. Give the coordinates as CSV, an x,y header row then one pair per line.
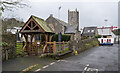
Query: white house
x,y
107,36
15,30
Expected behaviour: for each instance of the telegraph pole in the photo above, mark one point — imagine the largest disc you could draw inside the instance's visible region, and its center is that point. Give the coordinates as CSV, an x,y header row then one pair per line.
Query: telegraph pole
x,y
59,12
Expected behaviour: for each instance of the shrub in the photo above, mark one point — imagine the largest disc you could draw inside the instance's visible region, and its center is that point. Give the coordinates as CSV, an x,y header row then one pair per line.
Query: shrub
x,y
3,44
64,37
97,36
88,45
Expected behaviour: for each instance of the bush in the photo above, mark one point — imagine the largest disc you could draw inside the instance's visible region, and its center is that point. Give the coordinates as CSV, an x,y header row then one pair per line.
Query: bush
x,y
3,44
97,36
88,45
55,37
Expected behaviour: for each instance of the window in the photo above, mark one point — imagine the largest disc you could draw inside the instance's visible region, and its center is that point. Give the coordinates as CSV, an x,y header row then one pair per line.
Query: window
x,y
88,30
92,30
72,18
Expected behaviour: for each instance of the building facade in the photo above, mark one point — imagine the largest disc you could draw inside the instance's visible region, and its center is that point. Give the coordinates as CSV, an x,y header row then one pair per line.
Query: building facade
x,y
89,32
71,28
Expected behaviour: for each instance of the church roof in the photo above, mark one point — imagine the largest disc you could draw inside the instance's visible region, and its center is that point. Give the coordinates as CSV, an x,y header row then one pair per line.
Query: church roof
x,y
62,22
70,29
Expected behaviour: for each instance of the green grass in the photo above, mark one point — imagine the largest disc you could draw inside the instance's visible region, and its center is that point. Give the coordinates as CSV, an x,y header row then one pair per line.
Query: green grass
x,y
65,50
19,48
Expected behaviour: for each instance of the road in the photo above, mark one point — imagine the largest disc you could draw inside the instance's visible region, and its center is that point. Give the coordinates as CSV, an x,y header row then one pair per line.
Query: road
x,y
103,58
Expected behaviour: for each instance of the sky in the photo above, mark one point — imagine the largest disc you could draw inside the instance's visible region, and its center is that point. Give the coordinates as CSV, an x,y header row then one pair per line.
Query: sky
x,y
91,12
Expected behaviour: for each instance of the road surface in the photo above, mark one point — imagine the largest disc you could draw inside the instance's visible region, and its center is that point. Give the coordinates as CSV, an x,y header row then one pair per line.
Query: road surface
x,y
103,58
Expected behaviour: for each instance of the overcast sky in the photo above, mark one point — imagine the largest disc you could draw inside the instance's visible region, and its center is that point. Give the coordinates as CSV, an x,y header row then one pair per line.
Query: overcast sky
x,y
91,12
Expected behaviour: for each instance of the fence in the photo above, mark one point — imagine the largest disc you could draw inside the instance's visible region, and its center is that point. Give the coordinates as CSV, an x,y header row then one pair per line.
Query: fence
x,y
57,47
52,47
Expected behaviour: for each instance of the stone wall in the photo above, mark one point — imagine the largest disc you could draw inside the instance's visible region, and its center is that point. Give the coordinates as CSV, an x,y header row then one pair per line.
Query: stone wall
x,y
11,48
82,45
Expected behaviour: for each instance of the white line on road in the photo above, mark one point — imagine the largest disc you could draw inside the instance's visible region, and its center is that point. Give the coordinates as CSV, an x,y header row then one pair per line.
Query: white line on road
x,y
64,60
85,68
46,66
58,60
37,70
88,64
52,63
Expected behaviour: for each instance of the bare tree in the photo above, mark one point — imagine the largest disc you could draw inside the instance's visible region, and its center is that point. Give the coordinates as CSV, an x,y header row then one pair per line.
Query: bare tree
x,y
10,4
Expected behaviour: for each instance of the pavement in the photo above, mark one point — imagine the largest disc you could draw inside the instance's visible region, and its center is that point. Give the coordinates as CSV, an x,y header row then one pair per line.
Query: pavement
x,y
22,63
102,58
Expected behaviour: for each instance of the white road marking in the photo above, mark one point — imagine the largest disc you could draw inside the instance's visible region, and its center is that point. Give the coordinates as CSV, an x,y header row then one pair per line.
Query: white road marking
x,y
64,60
92,69
46,66
58,60
85,68
52,63
88,64
37,70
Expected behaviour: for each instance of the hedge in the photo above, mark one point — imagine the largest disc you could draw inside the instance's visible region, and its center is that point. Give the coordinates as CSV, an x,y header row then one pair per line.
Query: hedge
x,y
55,37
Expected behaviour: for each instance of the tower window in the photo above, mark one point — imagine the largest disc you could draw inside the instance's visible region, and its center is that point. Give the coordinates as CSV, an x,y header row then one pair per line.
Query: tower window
x,y
72,18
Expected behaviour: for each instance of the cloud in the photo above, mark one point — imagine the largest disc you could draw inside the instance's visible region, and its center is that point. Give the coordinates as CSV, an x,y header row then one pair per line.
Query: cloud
x,y
91,13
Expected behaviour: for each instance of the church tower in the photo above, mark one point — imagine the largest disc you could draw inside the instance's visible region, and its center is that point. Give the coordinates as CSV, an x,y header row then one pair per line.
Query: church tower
x,y
73,18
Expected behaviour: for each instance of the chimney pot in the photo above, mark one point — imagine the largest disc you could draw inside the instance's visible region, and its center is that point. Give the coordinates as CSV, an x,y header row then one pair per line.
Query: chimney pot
x,y
51,15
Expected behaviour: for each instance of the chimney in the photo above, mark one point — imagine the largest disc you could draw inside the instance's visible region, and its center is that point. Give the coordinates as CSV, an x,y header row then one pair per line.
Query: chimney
x,y
51,15
76,9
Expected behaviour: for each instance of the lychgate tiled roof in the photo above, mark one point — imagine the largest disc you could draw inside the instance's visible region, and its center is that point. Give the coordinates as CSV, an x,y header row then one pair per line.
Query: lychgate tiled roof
x,y
42,23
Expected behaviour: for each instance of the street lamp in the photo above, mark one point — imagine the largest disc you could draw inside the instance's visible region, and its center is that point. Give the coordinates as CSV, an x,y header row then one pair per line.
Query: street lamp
x,y
105,21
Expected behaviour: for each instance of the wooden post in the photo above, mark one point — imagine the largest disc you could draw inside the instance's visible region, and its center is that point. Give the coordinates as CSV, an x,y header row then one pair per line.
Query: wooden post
x,y
26,43
40,39
46,39
6,54
54,47
50,38
31,38
36,51
50,46
63,46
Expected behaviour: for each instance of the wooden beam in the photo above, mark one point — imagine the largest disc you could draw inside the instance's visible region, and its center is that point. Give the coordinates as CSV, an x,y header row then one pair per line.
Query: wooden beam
x,y
63,46
54,47
31,24
34,27
46,38
50,45
31,38
50,37
26,43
